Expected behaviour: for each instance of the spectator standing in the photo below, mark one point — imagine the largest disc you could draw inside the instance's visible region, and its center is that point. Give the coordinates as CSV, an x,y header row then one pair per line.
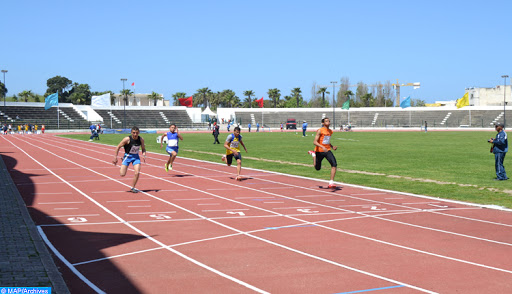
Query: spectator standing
x,y
43,128
304,128
425,126
249,127
215,133
500,149
257,127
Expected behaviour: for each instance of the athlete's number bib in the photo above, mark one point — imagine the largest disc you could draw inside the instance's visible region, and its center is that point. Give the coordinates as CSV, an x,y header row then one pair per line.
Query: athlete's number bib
x,y
327,140
134,150
172,143
234,144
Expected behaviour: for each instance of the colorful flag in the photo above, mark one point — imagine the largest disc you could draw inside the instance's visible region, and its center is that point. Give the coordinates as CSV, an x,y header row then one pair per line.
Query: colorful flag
x,y
133,84
346,105
406,103
186,101
464,101
51,100
260,102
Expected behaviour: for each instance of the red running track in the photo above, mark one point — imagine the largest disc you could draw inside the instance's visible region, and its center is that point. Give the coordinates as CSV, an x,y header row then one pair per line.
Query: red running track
x,y
197,230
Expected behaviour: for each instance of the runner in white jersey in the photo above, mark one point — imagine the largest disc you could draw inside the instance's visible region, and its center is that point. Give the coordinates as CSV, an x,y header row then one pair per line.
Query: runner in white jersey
x,y
172,145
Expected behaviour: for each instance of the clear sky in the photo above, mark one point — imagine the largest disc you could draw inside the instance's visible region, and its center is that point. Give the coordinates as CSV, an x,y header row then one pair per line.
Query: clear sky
x,y
181,46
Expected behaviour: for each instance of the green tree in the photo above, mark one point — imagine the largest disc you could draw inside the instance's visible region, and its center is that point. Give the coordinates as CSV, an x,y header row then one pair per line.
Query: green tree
x,y
25,95
249,93
323,91
417,103
367,100
155,97
274,95
3,90
80,94
125,94
204,92
60,85
177,96
37,98
296,93
229,98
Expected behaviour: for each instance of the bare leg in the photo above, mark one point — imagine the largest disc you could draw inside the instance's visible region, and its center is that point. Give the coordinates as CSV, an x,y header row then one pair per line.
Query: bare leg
x,y
136,168
172,158
123,170
333,173
238,166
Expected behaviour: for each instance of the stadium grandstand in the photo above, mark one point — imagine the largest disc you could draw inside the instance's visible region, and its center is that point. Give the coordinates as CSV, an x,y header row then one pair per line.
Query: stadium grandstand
x,y
72,116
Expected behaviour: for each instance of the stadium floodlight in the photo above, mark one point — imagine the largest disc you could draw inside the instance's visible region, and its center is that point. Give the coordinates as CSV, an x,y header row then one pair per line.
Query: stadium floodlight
x,y
333,104
504,97
124,108
4,71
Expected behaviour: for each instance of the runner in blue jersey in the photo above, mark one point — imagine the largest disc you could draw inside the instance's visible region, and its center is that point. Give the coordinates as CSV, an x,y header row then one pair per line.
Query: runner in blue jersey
x,y
172,145
132,145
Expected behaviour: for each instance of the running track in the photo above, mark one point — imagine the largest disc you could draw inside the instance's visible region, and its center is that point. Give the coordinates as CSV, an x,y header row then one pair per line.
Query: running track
x,y
197,230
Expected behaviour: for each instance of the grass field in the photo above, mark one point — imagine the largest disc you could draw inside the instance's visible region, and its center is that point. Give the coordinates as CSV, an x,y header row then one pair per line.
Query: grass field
x,y
451,165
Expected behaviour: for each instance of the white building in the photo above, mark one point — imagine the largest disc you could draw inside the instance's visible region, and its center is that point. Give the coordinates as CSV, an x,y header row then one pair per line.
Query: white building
x,y
139,100
490,96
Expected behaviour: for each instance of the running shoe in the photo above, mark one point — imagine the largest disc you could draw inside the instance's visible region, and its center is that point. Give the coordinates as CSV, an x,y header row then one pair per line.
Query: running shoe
x,y
239,178
170,166
311,152
90,140
223,158
331,186
166,167
133,190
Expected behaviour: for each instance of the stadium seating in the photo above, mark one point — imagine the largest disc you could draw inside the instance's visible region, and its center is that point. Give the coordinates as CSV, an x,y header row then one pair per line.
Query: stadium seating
x,y
68,117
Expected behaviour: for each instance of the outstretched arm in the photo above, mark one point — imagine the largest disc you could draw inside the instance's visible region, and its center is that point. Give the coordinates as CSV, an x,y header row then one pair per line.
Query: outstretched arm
x,y
121,144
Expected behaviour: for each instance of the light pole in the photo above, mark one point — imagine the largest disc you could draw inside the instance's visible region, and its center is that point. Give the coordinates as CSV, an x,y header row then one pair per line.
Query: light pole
x,y
504,103
124,108
5,88
333,103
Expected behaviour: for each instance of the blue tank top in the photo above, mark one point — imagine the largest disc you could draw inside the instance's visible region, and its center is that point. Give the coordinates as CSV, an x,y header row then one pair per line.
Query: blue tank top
x,y
172,139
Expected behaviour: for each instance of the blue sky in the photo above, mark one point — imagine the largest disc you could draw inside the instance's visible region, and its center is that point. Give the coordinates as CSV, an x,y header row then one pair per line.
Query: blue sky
x,y
181,46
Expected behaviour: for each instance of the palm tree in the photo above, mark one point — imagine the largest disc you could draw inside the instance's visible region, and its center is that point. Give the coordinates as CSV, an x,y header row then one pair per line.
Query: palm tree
x,y
348,94
296,93
3,90
155,97
228,98
274,94
323,91
25,95
249,94
204,91
125,94
177,96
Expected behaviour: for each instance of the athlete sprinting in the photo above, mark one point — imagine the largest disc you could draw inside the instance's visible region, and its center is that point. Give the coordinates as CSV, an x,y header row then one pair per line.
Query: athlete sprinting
x,y
132,145
323,148
232,145
172,145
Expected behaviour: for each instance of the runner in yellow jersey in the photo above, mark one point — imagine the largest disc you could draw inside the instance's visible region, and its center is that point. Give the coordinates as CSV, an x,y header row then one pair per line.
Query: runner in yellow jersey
x,y
232,145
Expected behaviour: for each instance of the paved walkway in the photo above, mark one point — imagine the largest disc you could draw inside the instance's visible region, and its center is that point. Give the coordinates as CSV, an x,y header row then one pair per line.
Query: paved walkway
x,y
24,259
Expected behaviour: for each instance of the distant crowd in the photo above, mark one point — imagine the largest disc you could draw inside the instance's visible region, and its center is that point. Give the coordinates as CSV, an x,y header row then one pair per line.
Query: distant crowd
x,y
22,129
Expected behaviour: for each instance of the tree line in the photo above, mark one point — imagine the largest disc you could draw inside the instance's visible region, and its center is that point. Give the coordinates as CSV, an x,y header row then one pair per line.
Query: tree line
x,y
374,95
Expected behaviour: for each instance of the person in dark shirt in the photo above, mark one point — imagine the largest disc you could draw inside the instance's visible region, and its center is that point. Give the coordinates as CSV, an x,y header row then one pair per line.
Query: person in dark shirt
x,y
215,133
132,145
500,149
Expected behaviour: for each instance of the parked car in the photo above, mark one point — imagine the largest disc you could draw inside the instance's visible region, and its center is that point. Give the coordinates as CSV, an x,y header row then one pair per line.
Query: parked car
x,y
291,123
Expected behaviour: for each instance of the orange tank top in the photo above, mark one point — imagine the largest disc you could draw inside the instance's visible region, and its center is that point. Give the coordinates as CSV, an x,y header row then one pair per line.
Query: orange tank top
x,y
324,140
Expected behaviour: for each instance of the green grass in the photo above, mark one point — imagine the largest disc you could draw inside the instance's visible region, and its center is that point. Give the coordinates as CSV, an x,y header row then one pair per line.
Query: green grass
x,y
460,161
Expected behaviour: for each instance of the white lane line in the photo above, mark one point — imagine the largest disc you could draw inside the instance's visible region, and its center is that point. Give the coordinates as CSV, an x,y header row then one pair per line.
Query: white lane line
x,y
72,268
306,196
151,212
299,207
234,209
67,263
336,200
391,244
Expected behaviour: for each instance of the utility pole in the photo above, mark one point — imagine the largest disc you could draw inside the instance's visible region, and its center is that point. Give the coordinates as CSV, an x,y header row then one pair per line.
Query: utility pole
x,y
124,108
333,103
504,97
